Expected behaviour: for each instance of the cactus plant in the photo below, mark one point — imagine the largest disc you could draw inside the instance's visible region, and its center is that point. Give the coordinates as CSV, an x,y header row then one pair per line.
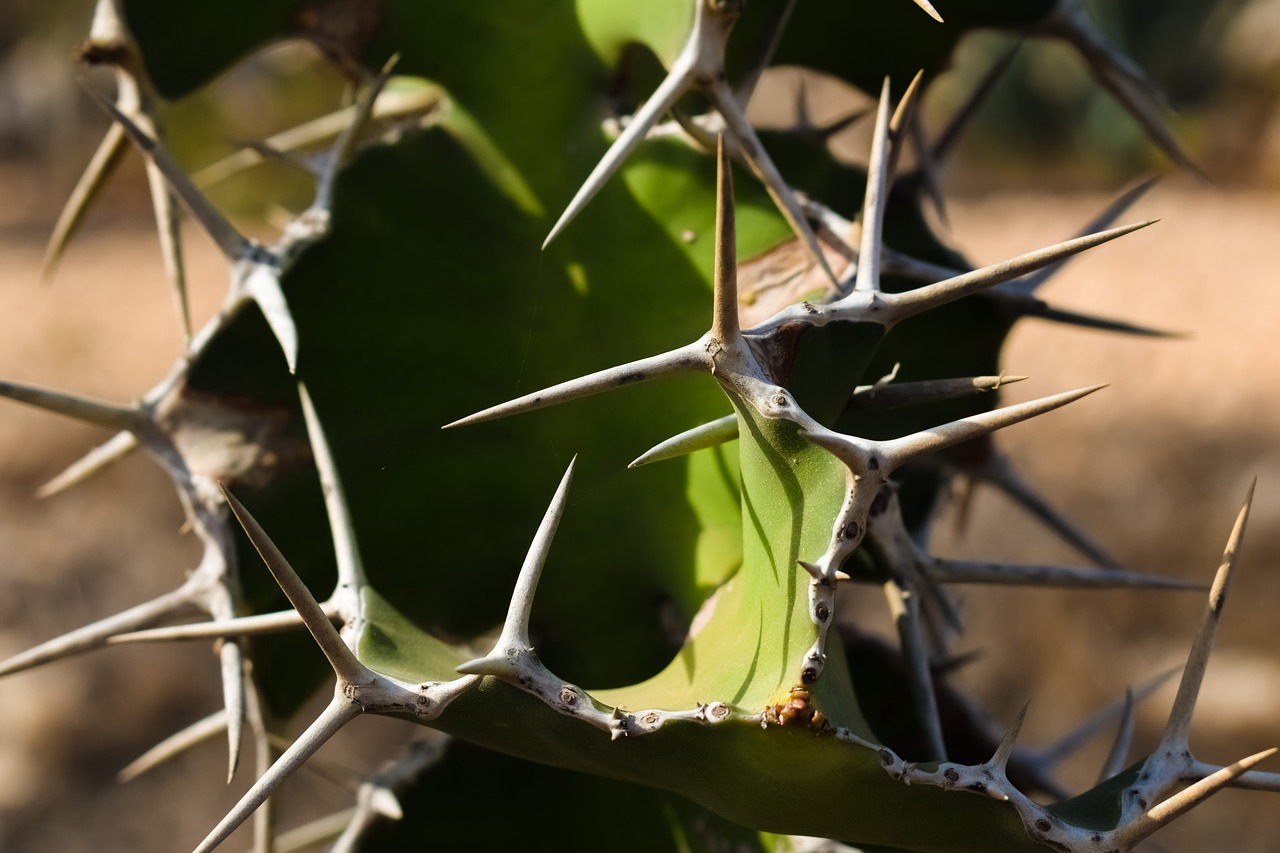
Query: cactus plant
x,y
434,271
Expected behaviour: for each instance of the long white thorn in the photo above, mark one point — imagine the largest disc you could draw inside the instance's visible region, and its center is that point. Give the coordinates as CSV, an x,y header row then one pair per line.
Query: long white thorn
x,y
244,626
877,194
898,451
341,658
109,452
1178,728
687,359
928,8
1144,824
338,713
899,306
234,687
676,84
350,567
515,629
233,245
711,434
82,409
95,174
95,635
1029,284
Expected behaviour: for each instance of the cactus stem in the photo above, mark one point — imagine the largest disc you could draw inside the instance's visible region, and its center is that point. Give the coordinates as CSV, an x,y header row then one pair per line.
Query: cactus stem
x,y
1119,753
878,178
112,450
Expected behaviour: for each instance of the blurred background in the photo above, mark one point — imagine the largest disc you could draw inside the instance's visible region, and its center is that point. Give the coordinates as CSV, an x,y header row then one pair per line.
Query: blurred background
x,y
1155,466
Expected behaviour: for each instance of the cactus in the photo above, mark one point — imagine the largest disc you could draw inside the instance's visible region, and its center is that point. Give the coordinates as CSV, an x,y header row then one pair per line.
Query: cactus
x,y
308,413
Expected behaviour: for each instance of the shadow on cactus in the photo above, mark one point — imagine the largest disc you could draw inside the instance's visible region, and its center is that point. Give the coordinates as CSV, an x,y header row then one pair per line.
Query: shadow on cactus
x,y
694,591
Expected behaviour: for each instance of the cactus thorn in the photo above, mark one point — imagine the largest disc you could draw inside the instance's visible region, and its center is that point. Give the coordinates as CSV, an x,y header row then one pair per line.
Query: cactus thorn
x,y
175,744
1118,755
340,657
82,409
878,177
929,10
904,609
711,434
999,762
1178,728
112,450
725,328
1144,824
514,639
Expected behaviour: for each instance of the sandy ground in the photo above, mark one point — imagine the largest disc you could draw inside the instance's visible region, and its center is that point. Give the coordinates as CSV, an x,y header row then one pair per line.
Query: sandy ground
x,y
1155,466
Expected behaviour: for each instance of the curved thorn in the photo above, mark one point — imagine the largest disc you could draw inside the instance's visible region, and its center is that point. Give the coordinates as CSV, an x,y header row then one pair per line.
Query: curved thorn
x,y
909,303
672,87
1119,753
338,713
706,435
868,277
350,566
100,167
95,635
82,409
900,450
113,450
903,120
686,359
1179,725
341,658
515,629
174,744
1162,814
234,246
1029,284
725,328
